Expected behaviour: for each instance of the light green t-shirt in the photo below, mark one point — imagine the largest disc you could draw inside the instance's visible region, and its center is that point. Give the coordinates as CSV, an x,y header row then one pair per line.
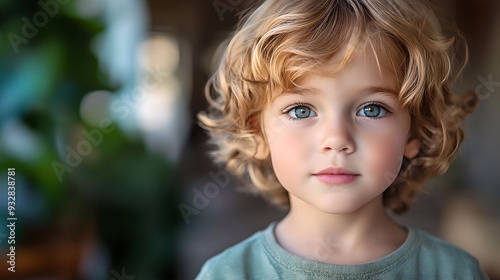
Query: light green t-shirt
x,y
421,256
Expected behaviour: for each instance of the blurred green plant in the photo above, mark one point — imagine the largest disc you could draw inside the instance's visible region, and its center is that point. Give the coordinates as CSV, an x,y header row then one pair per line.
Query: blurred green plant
x,y
130,194
42,85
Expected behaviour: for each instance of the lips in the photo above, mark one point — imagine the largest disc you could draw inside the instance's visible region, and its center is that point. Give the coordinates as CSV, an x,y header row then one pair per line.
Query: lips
x,y
336,176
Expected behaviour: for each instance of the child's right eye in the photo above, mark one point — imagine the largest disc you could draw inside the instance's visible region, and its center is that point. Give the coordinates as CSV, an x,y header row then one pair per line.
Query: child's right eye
x,y
300,111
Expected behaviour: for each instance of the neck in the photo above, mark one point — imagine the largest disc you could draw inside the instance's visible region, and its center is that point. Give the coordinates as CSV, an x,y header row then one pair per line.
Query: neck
x,y
361,236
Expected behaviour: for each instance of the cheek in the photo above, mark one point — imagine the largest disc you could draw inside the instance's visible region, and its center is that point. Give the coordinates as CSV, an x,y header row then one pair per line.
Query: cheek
x,y
286,153
288,149
386,155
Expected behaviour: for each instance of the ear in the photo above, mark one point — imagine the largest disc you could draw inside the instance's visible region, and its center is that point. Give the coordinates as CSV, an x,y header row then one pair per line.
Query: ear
x,y
412,147
262,148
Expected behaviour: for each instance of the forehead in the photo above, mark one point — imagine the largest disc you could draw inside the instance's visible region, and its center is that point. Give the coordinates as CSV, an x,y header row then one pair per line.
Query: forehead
x,y
362,68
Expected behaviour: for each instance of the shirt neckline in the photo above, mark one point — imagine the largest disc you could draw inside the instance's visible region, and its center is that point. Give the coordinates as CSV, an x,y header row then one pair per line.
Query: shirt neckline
x,y
315,268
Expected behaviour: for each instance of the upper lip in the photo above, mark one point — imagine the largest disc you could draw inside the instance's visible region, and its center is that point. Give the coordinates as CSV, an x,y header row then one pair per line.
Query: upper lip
x,y
335,171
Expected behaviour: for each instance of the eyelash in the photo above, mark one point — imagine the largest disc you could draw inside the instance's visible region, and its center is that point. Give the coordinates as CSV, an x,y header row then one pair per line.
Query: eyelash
x,y
287,110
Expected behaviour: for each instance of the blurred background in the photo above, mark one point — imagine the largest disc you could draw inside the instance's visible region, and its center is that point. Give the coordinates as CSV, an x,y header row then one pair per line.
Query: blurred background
x,y
98,103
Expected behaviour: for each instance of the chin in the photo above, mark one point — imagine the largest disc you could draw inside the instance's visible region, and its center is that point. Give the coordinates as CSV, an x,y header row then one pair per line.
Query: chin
x,y
335,207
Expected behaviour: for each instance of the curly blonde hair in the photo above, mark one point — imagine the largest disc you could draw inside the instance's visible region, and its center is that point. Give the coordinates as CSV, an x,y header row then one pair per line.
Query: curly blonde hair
x,y
281,40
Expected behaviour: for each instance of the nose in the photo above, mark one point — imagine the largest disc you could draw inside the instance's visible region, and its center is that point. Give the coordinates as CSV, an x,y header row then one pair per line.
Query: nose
x,y
337,135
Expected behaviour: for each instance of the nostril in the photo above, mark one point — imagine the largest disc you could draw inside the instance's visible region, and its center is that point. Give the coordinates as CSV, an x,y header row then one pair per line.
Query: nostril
x,y
346,149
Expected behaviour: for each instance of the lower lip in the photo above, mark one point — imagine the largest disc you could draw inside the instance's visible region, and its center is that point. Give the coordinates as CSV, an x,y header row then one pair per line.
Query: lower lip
x,y
338,179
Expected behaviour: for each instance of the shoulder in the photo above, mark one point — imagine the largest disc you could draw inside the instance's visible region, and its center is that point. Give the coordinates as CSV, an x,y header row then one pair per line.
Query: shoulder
x,y
431,245
445,256
233,261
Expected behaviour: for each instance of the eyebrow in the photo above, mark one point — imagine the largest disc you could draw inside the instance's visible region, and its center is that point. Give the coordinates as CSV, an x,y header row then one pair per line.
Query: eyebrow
x,y
301,91
379,90
365,91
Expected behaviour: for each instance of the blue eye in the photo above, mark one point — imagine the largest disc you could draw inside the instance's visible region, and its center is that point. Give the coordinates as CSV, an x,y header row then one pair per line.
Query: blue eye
x,y
372,111
301,112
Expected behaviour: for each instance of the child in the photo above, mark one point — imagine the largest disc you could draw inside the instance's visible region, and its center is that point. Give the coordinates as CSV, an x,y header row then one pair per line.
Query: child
x,y
339,109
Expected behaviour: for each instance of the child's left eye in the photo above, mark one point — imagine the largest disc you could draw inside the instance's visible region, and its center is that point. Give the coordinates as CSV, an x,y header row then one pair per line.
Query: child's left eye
x,y
372,111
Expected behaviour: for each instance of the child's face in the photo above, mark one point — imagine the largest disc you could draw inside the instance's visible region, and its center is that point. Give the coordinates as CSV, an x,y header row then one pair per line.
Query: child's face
x,y
351,121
